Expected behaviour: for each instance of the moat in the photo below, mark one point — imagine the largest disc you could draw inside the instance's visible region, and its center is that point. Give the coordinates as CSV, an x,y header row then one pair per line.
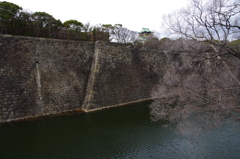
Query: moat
x,y
122,132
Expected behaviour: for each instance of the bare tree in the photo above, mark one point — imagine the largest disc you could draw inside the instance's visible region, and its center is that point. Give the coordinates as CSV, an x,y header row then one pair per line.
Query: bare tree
x,y
202,82
152,43
216,22
123,35
199,88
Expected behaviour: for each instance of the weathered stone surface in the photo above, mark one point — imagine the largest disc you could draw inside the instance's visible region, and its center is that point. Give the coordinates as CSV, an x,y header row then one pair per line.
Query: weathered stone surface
x,y
40,76
121,75
45,76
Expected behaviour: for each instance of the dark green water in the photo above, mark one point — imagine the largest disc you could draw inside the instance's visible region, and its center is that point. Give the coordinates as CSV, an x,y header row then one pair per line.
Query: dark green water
x,y
125,132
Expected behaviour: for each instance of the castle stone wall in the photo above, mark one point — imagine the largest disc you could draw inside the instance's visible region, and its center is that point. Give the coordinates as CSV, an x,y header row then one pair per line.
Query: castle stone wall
x,y
45,76
42,76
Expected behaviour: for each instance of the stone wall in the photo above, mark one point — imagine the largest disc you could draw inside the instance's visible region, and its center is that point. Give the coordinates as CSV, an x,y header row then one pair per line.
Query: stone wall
x,y
42,76
45,76
122,75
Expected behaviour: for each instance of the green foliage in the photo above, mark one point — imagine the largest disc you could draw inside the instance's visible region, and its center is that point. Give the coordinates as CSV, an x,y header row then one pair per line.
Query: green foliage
x,y
107,26
15,21
8,13
24,25
73,28
45,24
235,42
118,26
42,19
235,45
73,25
100,32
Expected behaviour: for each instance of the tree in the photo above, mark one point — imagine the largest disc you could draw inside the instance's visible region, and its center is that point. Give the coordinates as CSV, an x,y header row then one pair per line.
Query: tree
x,y
123,35
203,81
197,88
74,29
152,43
164,43
43,23
73,25
8,13
109,32
86,34
215,21
100,32
24,24
55,27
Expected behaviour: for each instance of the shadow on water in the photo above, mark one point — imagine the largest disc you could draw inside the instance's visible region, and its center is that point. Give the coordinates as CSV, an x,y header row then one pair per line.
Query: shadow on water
x,y
122,132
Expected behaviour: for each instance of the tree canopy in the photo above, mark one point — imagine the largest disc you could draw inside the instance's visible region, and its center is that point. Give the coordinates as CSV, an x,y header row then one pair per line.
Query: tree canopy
x,y
14,20
216,22
201,88
8,13
73,25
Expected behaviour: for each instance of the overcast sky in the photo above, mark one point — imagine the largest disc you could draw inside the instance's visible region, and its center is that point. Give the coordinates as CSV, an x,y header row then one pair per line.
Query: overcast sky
x,y
132,14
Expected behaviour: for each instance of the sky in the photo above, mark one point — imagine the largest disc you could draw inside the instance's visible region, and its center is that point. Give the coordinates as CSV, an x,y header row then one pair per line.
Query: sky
x,y
132,14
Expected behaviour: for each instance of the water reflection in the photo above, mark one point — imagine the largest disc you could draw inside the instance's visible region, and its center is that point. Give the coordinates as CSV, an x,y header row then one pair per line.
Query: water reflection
x,y
125,132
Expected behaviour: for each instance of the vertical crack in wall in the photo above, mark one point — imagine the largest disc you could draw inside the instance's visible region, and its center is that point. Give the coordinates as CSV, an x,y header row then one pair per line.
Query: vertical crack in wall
x,y
39,88
89,98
